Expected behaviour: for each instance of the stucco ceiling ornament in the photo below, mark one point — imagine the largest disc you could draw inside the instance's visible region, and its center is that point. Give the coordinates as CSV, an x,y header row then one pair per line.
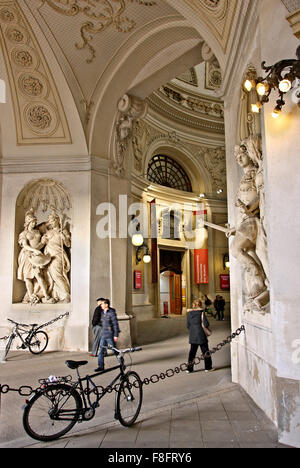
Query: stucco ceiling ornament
x,y
130,109
44,194
214,160
39,114
99,15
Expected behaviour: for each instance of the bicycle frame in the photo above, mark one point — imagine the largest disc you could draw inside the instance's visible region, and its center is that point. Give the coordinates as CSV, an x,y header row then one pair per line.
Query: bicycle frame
x,y
17,332
85,393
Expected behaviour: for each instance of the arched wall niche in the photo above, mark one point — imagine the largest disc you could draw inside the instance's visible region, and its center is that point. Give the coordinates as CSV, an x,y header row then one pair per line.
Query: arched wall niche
x,y
197,174
42,246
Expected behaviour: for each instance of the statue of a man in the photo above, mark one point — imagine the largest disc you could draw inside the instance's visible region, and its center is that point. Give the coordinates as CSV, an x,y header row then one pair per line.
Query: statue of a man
x,y
250,227
56,239
32,261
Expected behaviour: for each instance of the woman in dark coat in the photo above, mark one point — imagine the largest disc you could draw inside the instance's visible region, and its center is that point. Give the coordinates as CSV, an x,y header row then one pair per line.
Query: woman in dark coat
x,y
197,336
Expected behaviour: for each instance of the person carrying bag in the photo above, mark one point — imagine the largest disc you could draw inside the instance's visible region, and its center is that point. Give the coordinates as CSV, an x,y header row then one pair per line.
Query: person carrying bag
x,y
198,327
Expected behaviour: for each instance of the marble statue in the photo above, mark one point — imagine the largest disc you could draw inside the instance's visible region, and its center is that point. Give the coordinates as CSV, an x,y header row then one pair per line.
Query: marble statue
x,y
43,263
32,262
249,245
56,238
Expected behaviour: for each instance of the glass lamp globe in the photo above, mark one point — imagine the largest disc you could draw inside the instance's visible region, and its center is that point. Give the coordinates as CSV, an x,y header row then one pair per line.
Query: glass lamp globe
x,y
137,239
147,258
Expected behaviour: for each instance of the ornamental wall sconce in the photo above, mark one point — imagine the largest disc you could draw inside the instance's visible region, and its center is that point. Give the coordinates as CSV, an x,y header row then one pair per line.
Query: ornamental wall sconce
x,y
282,76
226,262
146,257
138,242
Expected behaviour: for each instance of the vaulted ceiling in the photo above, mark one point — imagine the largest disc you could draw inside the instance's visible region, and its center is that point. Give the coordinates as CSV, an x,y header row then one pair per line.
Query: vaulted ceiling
x,y
83,55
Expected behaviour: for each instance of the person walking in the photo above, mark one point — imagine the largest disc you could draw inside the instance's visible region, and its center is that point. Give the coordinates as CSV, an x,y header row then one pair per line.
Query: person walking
x,y
217,307
207,303
221,307
96,323
109,332
197,336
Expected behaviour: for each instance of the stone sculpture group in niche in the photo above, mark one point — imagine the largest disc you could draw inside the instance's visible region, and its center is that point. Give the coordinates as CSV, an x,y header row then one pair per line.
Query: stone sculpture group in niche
x,y
249,245
43,262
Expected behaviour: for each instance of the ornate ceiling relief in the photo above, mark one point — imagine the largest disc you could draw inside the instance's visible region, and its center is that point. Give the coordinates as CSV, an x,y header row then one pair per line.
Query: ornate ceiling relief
x,y
98,15
218,15
38,110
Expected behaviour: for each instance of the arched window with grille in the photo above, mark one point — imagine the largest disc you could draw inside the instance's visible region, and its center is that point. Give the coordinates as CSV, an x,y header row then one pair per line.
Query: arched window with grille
x,y
163,170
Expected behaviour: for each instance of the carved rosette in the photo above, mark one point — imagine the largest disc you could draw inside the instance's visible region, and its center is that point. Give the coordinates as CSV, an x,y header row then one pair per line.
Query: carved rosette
x,y
130,109
39,113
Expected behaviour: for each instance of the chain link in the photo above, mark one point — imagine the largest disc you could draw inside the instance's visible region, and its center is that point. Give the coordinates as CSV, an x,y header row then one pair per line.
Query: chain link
x,y
44,324
153,379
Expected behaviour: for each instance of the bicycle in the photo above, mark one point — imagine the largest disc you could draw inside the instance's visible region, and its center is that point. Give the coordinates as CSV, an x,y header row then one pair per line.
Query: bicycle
x,y
55,409
36,340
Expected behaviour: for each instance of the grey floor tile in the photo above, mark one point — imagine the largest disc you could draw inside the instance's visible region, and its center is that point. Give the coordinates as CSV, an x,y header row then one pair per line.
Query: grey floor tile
x,y
221,445
218,436
216,426
213,416
178,444
241,416
253,436
122,433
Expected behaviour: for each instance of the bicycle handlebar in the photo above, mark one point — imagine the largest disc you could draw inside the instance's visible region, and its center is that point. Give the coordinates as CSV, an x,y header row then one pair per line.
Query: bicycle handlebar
x,y
21,324
124,351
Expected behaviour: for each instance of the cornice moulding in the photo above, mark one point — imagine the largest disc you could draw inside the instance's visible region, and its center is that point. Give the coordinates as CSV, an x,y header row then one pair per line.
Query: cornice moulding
x,y
15,165
187,118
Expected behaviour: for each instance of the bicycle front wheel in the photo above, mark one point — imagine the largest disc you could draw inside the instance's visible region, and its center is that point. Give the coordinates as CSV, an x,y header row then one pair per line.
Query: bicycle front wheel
x,y
38,342
8,345
129,399
52,412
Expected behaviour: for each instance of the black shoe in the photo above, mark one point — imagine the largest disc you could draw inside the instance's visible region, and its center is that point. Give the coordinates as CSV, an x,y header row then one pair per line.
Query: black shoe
x,y
99,369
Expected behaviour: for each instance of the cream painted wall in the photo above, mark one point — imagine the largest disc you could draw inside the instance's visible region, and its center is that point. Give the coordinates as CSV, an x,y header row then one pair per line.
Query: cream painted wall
x,y
282,147
262,359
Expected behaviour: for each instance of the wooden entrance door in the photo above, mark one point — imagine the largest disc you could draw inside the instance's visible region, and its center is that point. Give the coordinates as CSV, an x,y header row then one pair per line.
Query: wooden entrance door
x,y
175,294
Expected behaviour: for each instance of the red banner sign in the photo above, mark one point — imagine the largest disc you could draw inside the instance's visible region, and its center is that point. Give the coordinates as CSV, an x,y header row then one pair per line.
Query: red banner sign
x,y
137,279
201,266
225,281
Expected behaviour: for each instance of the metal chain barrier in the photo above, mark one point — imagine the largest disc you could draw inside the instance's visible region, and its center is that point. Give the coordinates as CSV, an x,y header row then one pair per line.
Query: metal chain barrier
x,y
153,379
53,320
44,324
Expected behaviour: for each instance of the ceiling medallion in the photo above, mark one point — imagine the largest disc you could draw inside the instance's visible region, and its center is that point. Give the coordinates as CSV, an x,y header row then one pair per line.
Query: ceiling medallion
x,y
100,14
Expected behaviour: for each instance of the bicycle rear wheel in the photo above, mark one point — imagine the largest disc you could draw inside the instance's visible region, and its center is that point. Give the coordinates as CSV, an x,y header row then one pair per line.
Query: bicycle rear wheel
x,y
129,399
52,412
38,342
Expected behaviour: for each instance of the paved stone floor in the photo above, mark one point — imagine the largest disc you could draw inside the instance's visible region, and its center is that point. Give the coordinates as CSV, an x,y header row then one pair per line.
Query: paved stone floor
x,y
227,419
196,410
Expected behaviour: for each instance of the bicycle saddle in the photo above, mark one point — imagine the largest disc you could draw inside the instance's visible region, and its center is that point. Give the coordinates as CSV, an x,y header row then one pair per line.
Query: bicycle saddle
x,y
76,364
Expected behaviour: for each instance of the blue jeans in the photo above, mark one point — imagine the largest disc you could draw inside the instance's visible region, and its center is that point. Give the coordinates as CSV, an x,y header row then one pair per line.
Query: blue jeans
x,y
104,342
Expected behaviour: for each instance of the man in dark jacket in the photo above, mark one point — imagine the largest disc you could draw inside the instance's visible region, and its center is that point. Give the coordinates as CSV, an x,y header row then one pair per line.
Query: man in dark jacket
x,y
197,337
96,322
109,331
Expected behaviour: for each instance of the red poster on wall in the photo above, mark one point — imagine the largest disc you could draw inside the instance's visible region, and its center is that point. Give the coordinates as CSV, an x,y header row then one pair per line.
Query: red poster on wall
x,y
201,266
225,282
137,279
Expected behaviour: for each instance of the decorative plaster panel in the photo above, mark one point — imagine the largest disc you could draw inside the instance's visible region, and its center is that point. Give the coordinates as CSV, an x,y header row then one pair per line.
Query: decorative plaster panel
x,y
39,115
218,15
